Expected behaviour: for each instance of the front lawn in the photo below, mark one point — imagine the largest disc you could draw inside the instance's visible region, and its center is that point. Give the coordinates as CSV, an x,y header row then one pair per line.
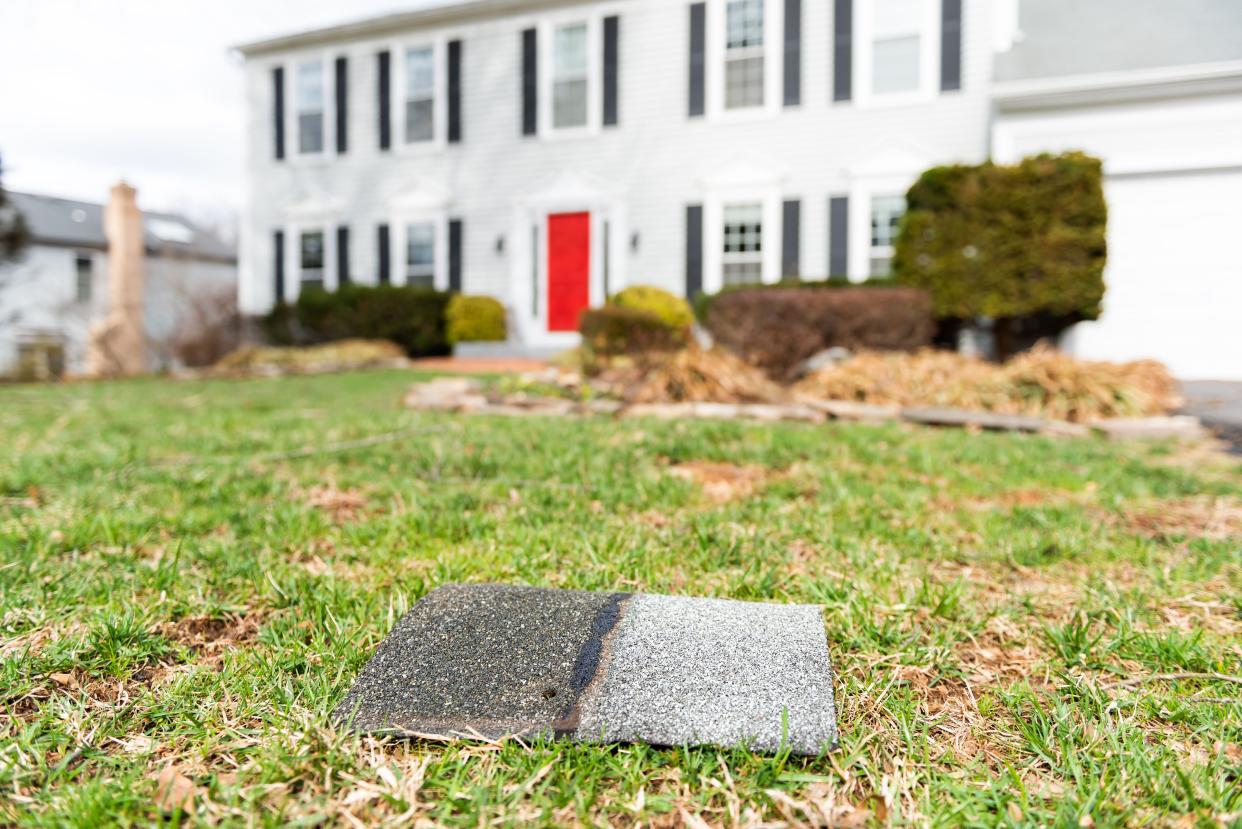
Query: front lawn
x,y
1025,629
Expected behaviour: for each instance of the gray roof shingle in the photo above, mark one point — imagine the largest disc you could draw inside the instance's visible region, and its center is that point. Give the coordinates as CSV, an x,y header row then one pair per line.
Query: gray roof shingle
x,y
56,221
1073,37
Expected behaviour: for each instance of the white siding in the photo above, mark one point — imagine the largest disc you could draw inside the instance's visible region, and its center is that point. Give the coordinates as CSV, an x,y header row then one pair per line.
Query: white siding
x,y
643,172
38,299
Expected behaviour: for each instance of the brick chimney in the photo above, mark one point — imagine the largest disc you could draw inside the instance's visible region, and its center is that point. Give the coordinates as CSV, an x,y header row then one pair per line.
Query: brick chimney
x,y
118,343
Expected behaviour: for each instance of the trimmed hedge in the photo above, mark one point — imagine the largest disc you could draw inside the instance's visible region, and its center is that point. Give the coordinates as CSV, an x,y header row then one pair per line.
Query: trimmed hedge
x,y
673,310
1008,242
777,328
472,319
413,318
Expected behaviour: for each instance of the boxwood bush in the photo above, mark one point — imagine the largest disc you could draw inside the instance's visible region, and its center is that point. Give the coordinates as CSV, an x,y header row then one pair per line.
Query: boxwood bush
x,y
413,318
1013,243
473,319
674,311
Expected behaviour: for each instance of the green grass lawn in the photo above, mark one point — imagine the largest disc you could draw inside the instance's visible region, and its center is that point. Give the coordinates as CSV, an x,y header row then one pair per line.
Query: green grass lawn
x,y
191,573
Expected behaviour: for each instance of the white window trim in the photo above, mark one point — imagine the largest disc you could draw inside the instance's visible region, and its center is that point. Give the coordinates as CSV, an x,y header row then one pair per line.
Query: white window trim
x,y
929,57
439,49
773,67
398,233
595,82
293,129
769,197
861,192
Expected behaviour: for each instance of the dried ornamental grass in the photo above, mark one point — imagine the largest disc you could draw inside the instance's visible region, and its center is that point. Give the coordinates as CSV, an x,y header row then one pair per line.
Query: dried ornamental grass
x,y
694,375
345,355
1042,382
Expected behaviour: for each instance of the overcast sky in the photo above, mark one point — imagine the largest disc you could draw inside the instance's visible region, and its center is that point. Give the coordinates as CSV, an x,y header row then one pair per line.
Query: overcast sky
x,y
95,90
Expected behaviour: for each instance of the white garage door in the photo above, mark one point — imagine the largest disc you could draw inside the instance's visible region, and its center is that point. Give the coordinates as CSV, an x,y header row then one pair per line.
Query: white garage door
x,y
1174,275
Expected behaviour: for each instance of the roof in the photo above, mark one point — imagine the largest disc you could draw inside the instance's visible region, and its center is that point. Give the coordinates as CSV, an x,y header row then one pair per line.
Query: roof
x,y
1062,38
440,12
69,223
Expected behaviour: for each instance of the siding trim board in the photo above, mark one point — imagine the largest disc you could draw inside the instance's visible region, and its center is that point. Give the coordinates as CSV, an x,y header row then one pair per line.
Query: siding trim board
x,y
793,53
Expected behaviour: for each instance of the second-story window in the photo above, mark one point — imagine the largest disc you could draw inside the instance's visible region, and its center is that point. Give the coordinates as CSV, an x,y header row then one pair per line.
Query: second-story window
x,y
895,46
744,58
420,95
420,255
743,244
312,258
570,70
311,100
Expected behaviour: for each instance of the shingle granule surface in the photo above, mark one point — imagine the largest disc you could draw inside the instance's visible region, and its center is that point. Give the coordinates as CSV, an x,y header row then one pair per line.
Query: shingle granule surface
x,y
711,671
479,660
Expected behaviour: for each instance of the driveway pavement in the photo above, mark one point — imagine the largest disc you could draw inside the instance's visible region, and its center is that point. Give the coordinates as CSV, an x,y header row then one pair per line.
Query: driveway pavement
x,y
1219,405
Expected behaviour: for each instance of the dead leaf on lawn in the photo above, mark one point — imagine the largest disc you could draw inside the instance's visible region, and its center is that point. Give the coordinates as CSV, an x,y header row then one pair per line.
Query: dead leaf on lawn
x,y
174,791
340,504
722,482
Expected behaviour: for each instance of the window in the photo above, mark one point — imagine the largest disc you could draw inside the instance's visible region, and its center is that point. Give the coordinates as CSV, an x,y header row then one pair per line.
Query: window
x,y
569,76
743,244
312,259
744,58
420,95
420,255
895,46
84,270
311,101
886,213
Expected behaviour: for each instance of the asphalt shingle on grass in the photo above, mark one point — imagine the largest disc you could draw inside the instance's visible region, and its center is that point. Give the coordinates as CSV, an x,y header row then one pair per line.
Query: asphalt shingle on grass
x,y
494,661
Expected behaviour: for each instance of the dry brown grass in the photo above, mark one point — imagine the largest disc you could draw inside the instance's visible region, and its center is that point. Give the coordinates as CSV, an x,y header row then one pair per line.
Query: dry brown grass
x,y
1042,382
1202,517
722,482
346,355
694,375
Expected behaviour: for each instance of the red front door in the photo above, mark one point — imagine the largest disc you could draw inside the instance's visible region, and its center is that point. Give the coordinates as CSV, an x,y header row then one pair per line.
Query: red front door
x,y
569,269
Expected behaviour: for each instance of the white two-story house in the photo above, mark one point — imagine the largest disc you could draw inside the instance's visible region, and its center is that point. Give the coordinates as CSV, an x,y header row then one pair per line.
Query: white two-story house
x,y
550,152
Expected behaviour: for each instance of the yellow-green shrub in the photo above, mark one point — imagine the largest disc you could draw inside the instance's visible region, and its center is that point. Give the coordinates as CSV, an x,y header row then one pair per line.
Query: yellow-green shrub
x,y
475,319
672,310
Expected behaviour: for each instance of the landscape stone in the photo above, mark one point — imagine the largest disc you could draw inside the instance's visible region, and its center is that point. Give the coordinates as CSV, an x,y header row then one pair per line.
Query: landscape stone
x,y
965,418
821,360
772,413
489,662
860,412
1176,427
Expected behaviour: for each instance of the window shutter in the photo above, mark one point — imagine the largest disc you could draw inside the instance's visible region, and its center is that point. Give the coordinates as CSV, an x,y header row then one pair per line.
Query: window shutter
x,y
384,90
455,242
342,105
278,266
342,256
838,237
383,255
530,82
698,59
791,239
454,91
950,45
694,251
843,50
278,112
793,53
612,35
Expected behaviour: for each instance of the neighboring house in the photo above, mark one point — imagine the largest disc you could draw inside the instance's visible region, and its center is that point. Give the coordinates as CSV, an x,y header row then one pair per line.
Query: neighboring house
x,y
52,296
549,152
1155,90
